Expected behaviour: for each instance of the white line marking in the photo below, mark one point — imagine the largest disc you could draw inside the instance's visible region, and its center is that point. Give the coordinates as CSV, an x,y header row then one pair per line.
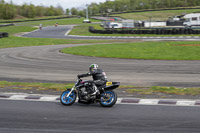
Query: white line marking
x,y
67,32
48,98
18,97
149,101
185,103
119,100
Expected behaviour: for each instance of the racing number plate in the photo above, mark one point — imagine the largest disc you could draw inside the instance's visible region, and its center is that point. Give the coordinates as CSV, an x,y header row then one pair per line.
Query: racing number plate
x,y
108,83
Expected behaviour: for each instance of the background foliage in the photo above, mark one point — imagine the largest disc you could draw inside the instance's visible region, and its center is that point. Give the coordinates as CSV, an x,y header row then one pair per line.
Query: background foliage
x,y
130,5
10,11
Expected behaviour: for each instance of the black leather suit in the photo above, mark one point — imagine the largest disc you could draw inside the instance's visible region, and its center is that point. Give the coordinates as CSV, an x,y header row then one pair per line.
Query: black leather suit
x,y
99,76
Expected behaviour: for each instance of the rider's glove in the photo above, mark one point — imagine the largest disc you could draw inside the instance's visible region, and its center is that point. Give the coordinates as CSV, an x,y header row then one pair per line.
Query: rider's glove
x,y
79,76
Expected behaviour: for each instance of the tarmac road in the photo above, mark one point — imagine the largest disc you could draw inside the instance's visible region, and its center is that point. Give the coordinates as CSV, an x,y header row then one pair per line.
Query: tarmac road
x,y
52,117
50,32
46,63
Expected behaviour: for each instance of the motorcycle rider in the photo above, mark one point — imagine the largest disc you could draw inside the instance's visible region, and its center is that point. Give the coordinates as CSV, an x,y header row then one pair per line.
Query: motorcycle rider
x,y
98,75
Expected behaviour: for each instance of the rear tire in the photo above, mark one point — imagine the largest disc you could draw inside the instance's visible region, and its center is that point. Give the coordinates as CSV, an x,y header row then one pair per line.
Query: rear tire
x,y
70,100
109,100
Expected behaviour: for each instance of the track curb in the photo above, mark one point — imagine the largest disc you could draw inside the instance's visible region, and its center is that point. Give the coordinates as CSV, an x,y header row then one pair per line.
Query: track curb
x,y
134,101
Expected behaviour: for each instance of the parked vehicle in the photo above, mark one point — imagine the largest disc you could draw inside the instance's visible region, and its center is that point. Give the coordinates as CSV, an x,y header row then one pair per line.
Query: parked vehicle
x,y
115,25
86,21
106,96
192,19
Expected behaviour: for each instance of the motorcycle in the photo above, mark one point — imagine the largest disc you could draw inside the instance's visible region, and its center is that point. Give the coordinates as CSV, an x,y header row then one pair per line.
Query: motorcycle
x,y
83,89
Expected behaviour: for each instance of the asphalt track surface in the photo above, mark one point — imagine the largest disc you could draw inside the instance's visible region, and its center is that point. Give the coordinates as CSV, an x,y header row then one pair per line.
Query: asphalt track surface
x,y
50,32
52,117
48,64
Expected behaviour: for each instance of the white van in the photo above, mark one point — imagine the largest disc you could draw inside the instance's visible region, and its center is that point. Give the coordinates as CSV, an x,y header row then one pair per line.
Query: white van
x,y
192,19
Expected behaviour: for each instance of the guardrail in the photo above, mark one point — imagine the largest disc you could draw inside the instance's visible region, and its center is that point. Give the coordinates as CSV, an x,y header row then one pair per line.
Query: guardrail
x,y
145,31
3,34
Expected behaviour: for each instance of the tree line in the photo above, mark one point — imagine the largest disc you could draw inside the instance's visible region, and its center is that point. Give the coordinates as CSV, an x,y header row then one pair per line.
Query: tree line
x,y
131,5
10,11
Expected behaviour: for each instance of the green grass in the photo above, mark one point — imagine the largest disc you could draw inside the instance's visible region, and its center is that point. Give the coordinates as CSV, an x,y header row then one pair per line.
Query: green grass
x,y
141,50
83,30
16,29
38,86
166,90
22,42
156,15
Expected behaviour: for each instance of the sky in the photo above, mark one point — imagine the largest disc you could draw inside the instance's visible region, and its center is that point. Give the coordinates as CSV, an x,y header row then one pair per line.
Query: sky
x,y
64,3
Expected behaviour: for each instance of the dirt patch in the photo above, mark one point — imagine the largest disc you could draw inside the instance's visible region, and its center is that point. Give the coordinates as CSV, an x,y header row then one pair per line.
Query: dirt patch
x,y
186,45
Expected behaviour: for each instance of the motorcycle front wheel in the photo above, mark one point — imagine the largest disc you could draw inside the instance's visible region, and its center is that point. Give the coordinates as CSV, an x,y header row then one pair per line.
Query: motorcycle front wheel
x,y
68,100
108,99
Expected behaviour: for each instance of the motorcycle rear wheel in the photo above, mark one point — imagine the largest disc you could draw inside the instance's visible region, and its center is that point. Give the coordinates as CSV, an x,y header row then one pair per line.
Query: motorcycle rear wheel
x,y
108,99
68,100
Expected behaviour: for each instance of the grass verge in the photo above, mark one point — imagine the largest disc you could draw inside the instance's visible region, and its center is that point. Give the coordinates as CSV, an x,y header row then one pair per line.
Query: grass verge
x,y
37,86
42,86
22,42
141,50
165,90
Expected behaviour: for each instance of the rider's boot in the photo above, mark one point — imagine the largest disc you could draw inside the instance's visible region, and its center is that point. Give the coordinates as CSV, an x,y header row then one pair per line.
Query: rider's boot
x,y
96,91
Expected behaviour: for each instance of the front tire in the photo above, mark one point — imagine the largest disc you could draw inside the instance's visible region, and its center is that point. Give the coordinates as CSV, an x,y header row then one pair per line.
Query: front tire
x,y
108,99
68,100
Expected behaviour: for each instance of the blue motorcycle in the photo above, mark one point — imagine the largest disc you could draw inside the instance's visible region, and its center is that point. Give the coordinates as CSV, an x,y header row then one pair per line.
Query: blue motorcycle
x,y
106,96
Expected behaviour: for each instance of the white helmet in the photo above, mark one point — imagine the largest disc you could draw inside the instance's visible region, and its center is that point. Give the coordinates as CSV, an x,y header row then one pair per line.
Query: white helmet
x,y
93,66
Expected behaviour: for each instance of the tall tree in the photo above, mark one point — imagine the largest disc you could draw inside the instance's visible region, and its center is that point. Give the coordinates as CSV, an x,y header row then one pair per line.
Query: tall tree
x,y
1,8
132,4
74,11
31,11
8,11
67,12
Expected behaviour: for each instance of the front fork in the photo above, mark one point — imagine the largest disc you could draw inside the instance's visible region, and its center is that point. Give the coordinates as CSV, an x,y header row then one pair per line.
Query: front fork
x,y
73,88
